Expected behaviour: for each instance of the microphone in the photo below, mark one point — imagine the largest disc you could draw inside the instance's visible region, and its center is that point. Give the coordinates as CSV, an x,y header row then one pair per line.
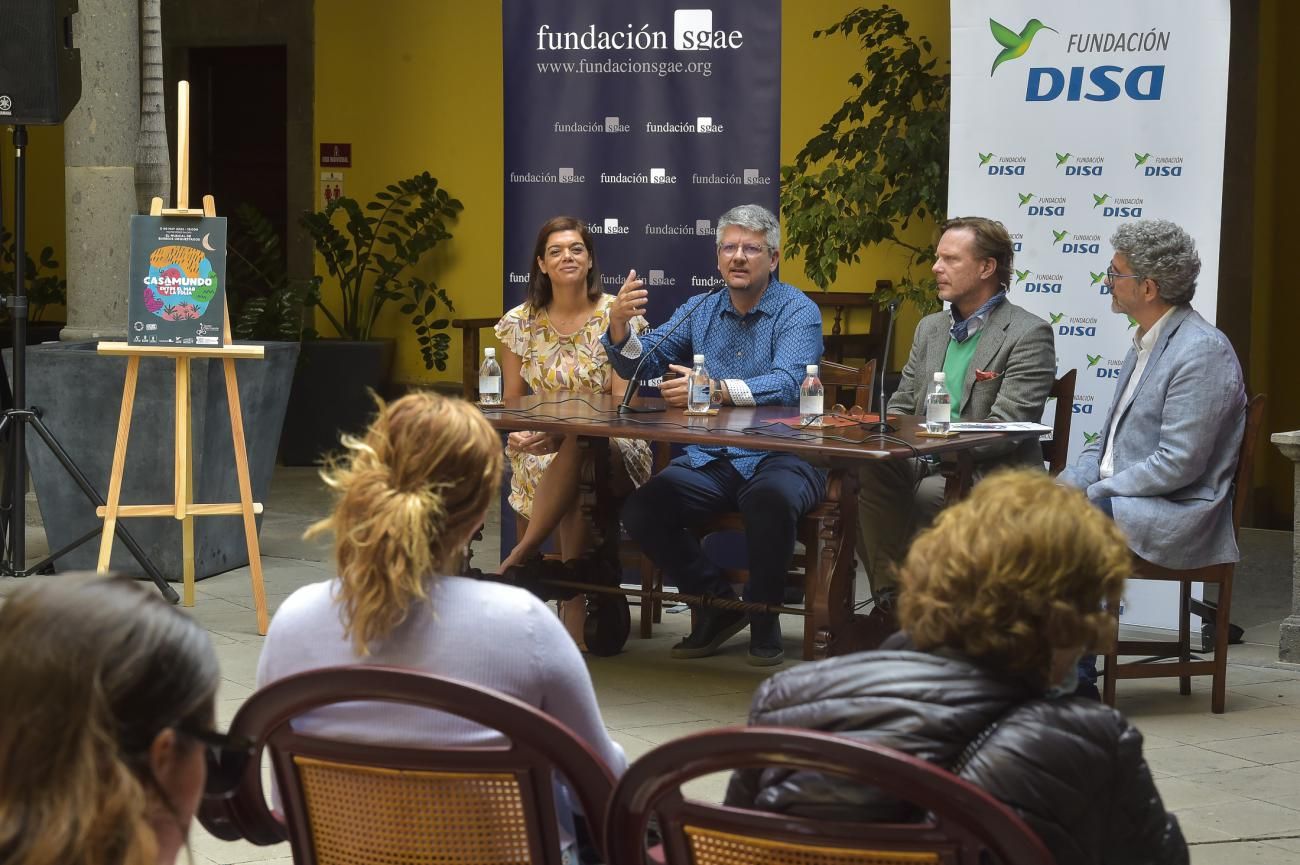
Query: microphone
x,y
882,426
625,407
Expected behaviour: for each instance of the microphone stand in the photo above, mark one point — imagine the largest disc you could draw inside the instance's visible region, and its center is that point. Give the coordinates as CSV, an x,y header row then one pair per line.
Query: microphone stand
x,y
882,426
625,407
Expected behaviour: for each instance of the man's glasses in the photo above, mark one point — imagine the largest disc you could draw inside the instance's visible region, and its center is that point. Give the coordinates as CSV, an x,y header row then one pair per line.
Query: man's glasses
x,y
577,250
1112,274
751,250
227,758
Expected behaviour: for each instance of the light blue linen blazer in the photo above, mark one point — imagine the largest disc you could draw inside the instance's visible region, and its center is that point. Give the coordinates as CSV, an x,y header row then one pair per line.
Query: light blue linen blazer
x,y
1176,446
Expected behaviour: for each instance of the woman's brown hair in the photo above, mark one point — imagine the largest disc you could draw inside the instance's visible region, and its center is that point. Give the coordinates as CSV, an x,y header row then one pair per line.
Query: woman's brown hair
x,y
1020,568
92,669
539,284
410,491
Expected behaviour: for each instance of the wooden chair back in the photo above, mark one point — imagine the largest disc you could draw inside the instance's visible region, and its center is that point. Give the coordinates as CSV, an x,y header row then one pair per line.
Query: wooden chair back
x,y
1246,458
1056,450
961,822
348,802
848,385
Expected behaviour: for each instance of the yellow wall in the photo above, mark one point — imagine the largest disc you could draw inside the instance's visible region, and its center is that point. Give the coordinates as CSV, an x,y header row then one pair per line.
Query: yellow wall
x,y
44,194
447,62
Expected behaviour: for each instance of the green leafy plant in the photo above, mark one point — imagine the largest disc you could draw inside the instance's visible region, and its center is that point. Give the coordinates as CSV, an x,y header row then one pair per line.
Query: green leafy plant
x,y
44,287
375,258
263,303
878,163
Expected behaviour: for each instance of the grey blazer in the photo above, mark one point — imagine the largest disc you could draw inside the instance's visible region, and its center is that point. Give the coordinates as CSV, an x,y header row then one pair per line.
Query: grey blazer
x,y
1176,445
1017,346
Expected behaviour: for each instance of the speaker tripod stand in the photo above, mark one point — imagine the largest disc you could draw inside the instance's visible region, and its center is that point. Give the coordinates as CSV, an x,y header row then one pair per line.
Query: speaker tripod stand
x,y
17,417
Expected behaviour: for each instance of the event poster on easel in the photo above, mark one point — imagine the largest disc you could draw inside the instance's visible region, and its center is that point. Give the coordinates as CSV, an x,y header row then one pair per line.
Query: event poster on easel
x,y
178,275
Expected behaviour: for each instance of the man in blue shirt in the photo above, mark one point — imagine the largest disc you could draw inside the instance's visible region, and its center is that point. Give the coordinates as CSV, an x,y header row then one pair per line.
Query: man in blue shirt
x,y
757,337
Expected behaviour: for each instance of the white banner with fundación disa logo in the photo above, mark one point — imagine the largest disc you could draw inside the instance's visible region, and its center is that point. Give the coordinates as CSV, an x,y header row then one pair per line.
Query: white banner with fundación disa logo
x,y
1068,120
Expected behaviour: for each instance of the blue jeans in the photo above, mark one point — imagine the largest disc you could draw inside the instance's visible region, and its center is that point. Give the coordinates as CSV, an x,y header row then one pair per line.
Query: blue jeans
x,y
660,513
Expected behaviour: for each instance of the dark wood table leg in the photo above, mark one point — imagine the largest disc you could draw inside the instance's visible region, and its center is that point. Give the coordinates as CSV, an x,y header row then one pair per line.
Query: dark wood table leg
x,y
609,620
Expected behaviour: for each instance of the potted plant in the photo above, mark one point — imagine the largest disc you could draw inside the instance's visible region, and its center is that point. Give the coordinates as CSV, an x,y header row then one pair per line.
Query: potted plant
x,y
373,256
879,162
44,289
263,303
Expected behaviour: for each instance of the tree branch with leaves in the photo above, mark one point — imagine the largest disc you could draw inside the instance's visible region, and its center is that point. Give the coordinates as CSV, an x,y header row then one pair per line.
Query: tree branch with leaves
x,y
878,163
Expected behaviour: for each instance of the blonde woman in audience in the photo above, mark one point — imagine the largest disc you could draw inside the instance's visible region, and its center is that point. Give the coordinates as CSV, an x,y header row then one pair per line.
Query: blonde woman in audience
x,y
107,695
411,493
999,599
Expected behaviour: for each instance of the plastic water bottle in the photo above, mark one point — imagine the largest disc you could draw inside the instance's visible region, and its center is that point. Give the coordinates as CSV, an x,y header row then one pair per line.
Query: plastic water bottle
x,y
811,396
699,390
938,406
489,379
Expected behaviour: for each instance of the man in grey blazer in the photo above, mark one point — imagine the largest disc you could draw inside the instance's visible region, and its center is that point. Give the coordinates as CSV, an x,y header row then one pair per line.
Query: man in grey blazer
x,y
1163,463
1000,362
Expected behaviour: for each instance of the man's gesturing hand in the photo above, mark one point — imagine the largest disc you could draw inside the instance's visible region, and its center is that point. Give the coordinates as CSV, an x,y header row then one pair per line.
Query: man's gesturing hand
x,y
628,303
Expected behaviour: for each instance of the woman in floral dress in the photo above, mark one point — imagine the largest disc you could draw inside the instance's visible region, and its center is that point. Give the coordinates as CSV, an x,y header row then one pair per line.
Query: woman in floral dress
x,y
552,343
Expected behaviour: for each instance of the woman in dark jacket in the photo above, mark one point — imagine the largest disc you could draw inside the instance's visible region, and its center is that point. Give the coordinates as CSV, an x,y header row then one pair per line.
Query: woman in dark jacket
x,y
998,601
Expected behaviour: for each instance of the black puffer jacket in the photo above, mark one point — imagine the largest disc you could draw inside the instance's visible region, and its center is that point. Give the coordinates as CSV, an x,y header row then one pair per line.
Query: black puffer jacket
x,y
1071,768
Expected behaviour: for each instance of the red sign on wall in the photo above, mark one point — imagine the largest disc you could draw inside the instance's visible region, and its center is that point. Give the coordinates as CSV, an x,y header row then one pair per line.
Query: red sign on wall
x,y
335,155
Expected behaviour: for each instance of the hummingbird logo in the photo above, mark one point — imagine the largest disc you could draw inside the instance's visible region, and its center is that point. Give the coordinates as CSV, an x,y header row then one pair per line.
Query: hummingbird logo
x,y
1099,200
1141,159
1132,322
1093,360
1056,316
1061,158
984,158
1058,236
1024,197
1020,276
1096,277
1014,44
1091,438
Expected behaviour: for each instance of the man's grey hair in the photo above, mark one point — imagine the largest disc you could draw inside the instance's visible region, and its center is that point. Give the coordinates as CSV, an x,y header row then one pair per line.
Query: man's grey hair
x,y
1160,250
755,218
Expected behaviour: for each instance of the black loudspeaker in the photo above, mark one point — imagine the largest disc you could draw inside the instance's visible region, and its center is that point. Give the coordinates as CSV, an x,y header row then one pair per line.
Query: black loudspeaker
x,y
40,71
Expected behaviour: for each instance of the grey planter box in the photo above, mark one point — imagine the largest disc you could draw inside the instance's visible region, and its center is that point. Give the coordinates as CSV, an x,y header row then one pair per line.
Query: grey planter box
x,y
79,394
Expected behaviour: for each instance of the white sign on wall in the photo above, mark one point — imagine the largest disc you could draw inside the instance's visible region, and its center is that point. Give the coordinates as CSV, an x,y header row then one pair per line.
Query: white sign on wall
x,y
1068,125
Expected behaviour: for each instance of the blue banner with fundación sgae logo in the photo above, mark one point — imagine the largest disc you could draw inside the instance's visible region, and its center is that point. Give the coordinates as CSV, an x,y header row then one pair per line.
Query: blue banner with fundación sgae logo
x,y
645,120
1067,121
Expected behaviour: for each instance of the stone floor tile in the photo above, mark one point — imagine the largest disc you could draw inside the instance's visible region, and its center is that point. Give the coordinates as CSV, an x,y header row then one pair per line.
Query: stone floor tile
x,y
633,716
1291,844
1240,853
1243,820
661,733
1193,729
1275,719
1267,783
1267,749
1191,760
1194,792
234,852
1286,692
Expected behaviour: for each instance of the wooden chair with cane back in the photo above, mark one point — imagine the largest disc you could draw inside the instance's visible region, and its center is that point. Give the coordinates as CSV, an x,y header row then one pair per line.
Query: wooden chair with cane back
x,y
848,386
957,822
1183,665
348,803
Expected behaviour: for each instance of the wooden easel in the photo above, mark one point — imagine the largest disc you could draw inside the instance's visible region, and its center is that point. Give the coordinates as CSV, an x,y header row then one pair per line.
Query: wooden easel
x,y
183,506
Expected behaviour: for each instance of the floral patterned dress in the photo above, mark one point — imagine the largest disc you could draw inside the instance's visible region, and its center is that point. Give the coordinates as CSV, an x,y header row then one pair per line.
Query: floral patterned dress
x,y
552,361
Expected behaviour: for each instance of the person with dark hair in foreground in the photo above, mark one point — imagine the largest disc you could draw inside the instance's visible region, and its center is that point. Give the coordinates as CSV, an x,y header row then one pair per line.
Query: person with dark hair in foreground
x,y
999,599
108,697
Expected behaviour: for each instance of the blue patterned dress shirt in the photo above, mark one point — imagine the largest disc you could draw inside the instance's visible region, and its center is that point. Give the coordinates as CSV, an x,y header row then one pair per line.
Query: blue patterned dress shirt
x,y
761,356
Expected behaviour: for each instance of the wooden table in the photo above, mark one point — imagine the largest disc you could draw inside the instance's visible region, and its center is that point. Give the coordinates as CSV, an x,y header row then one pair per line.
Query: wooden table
x,y
833,627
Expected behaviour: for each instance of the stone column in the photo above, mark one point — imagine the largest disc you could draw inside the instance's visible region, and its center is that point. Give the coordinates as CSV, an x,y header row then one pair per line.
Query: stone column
x,y
1288,644
99,149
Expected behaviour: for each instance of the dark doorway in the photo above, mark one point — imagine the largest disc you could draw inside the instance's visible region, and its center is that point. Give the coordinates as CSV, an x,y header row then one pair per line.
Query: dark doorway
x,y
238,114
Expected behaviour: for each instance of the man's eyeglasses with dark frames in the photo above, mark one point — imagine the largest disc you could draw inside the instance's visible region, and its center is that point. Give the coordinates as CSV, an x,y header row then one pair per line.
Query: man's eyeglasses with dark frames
x,y
227,757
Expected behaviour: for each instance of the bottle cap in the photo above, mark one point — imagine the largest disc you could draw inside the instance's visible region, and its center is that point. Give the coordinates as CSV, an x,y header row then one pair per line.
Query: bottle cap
x,y
811,369
489,352
938,376
699,359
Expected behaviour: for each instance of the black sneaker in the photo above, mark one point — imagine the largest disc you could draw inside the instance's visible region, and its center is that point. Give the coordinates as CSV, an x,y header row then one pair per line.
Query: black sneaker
x,y
713,628
765,640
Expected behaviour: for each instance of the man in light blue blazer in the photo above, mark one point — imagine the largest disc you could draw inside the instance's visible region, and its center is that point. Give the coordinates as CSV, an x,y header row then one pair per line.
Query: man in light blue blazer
x,y
1163,463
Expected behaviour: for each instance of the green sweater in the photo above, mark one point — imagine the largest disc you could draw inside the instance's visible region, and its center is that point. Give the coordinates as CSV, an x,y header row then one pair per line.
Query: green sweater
x,y
955,364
